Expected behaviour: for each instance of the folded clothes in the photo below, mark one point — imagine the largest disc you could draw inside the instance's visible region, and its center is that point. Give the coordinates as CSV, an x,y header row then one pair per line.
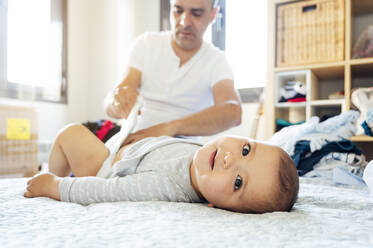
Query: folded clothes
x,y
297,99
337,95
293,90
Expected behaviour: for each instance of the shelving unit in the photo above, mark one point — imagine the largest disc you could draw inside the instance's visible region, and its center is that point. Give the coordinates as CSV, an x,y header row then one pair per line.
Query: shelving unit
x,y
322,78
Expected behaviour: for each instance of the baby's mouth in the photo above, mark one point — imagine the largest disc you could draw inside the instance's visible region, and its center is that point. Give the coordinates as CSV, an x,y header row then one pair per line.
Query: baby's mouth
x,y
212,159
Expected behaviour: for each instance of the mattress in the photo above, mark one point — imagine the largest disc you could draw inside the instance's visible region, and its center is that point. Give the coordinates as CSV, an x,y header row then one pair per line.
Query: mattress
x,y
325,215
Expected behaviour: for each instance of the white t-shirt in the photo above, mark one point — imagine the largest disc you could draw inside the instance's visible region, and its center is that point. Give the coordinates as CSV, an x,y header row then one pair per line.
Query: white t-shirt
x,y
171,92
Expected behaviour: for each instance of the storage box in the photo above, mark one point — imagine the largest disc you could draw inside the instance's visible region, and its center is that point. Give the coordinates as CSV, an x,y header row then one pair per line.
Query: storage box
x,y
18,140
310,32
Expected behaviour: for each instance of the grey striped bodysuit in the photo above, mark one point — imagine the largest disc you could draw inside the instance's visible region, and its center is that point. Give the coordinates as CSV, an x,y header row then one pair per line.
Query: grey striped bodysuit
x,y
153,169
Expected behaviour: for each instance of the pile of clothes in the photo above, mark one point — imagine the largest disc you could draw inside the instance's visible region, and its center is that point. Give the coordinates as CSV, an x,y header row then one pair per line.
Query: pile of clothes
x,y
324,149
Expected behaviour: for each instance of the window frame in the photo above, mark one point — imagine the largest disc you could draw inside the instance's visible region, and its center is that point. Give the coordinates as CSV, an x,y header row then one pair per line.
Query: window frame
x,y
27,92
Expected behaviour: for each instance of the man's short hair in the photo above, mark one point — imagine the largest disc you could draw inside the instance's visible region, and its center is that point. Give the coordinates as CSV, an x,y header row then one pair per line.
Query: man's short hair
x,y
214,3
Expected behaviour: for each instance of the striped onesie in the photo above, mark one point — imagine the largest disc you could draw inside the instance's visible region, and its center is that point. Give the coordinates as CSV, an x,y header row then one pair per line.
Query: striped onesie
x,y
153,169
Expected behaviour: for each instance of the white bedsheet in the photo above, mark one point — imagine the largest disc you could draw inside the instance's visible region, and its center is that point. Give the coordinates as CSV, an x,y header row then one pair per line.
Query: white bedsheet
x,y
324,216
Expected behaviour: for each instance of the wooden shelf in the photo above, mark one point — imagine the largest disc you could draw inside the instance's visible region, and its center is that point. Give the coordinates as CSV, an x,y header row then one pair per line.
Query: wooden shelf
x,y
332,102
362,61
284,1
325,71
291,105
312,66
321,79
361,138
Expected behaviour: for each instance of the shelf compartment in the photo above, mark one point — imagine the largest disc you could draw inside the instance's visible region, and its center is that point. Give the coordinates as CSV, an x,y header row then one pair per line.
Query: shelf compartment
x,y
361,7
293,115
362,18
325,82
282,78
361,75
324,111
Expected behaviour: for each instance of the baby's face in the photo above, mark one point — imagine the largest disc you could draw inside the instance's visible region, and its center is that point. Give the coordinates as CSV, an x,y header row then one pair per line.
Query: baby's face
x,y
235,173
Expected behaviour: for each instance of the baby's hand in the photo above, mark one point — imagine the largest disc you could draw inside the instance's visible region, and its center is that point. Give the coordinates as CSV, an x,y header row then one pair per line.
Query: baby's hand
x,y
43,185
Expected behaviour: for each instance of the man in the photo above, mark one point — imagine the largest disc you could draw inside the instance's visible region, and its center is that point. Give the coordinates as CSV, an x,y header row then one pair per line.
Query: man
x,y
186,83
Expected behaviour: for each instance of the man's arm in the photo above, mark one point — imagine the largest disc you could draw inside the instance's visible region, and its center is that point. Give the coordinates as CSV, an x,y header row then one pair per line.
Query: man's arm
x,y
224,114
119,102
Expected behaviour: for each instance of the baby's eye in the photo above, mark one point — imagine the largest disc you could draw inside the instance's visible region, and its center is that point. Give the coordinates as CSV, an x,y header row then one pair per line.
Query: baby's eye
x,y
237,182
246,149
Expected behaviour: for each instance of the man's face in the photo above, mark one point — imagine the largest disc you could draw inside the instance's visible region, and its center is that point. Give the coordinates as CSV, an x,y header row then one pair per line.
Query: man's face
x,y
189,20
236,173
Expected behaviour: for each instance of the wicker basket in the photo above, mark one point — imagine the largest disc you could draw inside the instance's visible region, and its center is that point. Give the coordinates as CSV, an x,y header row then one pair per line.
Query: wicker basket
x,y
310,32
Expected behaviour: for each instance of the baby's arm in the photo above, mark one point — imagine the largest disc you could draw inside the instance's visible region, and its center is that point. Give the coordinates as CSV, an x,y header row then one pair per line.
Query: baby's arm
x,y
43,185
145,186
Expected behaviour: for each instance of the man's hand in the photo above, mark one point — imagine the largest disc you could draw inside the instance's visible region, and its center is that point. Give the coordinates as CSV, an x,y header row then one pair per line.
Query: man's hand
x,y
163,129
43,185
124,98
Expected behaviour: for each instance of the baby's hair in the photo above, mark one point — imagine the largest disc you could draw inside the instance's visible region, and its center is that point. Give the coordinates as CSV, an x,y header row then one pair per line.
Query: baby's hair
x,y
288,182
286,192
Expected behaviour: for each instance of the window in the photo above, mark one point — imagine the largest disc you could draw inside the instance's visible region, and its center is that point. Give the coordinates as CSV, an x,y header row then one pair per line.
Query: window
x,y
246,42
33,50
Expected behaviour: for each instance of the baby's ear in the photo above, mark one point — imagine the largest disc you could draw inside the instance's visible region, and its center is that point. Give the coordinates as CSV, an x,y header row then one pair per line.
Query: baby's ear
x,y
210,205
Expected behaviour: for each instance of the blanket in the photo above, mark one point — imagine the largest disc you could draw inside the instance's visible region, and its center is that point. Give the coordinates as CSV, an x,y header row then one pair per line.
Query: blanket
x,y
325,215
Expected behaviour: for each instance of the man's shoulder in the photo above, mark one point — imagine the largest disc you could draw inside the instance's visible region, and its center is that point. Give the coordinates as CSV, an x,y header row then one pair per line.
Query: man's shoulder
x,y
213,51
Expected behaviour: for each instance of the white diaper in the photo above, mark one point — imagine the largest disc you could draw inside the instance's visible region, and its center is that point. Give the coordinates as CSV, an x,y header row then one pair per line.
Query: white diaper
x,y
115,142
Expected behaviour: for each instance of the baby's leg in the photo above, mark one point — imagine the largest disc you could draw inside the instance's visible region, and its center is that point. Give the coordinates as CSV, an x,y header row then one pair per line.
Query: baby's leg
x,y
78,150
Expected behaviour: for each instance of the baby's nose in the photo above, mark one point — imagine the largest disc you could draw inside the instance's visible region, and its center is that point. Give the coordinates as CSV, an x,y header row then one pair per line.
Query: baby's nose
x,y
228,159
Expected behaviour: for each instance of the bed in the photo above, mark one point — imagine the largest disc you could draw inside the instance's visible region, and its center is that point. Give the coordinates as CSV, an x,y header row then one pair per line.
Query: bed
x,y
325,215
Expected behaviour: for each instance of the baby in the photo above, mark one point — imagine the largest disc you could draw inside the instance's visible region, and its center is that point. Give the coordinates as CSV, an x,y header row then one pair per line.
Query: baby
x,y
231,173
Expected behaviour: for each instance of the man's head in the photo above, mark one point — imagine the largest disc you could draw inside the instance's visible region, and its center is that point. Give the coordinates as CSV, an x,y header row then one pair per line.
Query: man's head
x,y
189,20
245,176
